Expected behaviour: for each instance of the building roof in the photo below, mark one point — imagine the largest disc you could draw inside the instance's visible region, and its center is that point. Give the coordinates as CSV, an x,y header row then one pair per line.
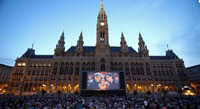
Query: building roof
x,y
160,57
169,55
42,56
30,53
93,48
3,65
195,66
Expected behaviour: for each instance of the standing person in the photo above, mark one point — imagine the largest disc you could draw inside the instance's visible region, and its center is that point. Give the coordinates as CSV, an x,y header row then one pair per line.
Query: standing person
x,y
146,103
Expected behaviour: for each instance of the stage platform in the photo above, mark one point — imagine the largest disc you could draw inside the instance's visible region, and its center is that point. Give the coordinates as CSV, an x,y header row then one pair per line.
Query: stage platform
x,y
103,93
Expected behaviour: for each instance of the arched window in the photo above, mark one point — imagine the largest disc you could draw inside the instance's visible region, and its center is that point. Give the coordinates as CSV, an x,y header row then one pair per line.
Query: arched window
x,y
61,70
103,65
77,70
54,70
102,38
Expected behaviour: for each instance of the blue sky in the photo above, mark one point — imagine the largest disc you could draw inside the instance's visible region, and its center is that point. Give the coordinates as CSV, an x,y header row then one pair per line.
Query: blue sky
x,y
161,22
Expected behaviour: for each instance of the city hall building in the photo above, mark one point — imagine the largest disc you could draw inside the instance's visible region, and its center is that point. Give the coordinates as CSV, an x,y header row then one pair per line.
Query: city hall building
x,y
62,71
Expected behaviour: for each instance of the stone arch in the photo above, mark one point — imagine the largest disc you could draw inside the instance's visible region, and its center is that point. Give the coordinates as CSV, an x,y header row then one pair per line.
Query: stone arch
x,y
77,63
71,63
66,64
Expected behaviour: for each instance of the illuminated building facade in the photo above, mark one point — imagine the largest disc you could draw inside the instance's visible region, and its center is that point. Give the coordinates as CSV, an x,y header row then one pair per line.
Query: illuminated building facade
x,y
193,73
5,72
62,71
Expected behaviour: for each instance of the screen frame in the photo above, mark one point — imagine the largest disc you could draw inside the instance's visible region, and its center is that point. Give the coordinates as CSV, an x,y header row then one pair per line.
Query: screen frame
x,y
121,79
112,72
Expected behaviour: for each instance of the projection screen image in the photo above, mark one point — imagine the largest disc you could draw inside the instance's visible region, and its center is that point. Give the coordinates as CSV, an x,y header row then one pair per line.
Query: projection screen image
x,y
103,80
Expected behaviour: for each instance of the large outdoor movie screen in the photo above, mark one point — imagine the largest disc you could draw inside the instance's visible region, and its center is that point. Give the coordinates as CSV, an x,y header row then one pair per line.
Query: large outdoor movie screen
x,y
103,80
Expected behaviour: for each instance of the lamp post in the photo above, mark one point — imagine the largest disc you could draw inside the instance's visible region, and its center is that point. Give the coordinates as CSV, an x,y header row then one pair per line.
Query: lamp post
x,y
43,85
152,87
135,86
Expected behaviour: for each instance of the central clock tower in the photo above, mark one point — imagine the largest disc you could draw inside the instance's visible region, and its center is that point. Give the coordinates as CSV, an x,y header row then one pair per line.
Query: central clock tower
x,y
102,52
102,28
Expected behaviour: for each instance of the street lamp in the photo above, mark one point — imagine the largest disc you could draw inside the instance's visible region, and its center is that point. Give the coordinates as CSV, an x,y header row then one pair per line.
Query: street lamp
x,y
43,85
152,87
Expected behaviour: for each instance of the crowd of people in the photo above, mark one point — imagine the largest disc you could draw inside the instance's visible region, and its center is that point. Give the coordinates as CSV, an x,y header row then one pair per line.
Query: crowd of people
x,y
145,102
64,101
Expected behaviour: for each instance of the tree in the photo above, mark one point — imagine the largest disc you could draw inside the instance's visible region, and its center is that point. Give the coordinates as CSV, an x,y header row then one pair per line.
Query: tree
x,y
59,93
43,92
135,92
198,88
76,93
148,92
180,92
164,91
193,89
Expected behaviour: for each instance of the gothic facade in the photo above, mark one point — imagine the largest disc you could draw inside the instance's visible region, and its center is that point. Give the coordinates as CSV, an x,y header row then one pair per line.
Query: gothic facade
x,y
193,73
62,71
5,72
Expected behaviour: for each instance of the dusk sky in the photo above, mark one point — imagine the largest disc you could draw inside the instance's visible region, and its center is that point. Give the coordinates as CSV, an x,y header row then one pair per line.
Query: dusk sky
x,y
160,22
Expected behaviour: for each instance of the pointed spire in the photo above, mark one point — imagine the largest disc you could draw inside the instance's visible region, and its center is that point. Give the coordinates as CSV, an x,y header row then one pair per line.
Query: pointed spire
x,y
102,13
102,7
81,37
124,46
122,34
81,34
79,46
142,49
140,36
60,47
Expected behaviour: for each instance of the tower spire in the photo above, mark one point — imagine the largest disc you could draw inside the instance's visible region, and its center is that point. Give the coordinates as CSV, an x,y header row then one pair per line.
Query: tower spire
x,y
102,7
102,13
102,27
79,46
60,47
142,49
124,46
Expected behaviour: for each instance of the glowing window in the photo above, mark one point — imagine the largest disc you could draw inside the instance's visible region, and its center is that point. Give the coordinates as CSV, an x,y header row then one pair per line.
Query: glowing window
x,y
19,64
23,64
